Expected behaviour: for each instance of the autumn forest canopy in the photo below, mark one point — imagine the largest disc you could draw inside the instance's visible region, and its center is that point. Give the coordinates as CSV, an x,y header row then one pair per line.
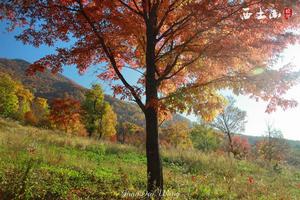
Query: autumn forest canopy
x,y
185,52
219,51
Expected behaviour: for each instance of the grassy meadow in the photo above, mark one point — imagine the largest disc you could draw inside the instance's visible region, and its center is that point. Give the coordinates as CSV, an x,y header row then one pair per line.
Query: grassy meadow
x,y
45,164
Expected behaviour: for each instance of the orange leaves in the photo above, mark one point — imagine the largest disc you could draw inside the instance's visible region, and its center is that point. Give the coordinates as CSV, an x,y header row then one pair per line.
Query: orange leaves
x,y
283,103
66,114
153,102
196,44
30,118
113,138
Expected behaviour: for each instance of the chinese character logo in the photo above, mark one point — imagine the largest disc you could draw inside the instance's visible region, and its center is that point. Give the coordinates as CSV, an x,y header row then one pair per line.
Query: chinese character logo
x,y
274,14
246,14
261,14
288,12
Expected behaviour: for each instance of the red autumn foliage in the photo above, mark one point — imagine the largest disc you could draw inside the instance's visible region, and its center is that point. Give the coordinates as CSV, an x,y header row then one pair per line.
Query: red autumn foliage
x,y
66,115
113,138
241,146
250,180
193,178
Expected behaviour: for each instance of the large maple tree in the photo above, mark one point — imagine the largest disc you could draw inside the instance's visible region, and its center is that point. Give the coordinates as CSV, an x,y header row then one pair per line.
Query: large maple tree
x,y
184,50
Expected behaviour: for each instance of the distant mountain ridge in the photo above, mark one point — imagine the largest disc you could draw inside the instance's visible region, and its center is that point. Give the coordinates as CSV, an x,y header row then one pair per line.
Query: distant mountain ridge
x,y
51,86
253,139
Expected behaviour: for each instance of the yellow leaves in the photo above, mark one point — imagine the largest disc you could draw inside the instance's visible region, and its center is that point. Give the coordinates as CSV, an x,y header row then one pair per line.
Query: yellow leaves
x,y
258,71
25,94
202,101
41,102
212,105
25,97
176,135
109,121
8,99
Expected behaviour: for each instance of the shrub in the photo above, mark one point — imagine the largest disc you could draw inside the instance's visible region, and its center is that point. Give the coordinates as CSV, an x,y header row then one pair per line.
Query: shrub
x,y
205,138
240,147
30,118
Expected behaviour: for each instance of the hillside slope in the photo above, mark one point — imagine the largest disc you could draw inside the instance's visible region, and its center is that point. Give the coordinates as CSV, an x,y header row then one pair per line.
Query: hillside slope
x,y
44,84
52,86
42,164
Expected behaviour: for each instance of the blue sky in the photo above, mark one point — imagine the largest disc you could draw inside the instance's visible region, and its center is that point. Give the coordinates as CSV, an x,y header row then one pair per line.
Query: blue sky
x,y
287,121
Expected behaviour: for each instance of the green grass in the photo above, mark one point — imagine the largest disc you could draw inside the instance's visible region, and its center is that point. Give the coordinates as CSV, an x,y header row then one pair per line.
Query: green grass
x,y
44,164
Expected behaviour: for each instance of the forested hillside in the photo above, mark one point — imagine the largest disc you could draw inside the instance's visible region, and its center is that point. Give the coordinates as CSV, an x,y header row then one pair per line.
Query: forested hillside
x,y
51,86
45,84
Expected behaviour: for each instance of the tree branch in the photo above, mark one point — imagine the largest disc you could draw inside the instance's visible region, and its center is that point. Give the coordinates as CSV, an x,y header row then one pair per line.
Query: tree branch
x,y
111,58
132,9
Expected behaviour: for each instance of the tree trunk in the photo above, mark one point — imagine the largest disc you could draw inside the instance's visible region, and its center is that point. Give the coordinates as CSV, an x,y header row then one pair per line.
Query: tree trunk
x,y
269,146
100,128
154,166
230,144
123,137
90,133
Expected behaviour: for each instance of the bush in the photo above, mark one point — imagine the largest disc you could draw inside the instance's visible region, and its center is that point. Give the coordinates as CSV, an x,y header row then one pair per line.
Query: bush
x,y
240,147
30,118
205,138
